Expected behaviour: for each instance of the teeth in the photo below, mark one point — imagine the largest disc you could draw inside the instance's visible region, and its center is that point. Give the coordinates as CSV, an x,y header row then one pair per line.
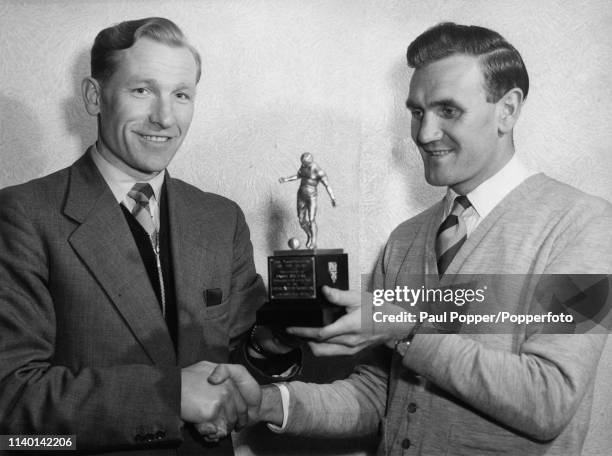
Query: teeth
x,y
156,138
438,153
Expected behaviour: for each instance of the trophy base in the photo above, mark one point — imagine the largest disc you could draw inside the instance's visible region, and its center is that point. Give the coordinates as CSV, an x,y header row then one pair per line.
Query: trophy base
x,y
296,313
295,279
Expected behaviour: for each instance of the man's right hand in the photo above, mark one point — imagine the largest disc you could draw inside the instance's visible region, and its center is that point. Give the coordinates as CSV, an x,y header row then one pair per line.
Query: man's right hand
x,y
268,397
219,408
249,389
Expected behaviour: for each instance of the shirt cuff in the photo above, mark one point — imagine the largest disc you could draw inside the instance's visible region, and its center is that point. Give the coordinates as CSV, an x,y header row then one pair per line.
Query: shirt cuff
x,y
284,392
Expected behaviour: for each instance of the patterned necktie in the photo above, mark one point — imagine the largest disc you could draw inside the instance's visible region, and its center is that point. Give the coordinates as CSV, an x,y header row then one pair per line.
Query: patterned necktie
x,y
141,194
451,234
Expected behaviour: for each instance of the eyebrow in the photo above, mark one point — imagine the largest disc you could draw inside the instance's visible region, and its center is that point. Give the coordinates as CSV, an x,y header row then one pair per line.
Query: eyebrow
x,y
442,102
411,104
154,82
141,81
185,86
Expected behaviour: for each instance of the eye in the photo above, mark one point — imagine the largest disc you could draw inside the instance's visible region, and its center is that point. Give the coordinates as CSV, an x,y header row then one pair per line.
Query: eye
x,y
183,96
417,114
140,91
449,112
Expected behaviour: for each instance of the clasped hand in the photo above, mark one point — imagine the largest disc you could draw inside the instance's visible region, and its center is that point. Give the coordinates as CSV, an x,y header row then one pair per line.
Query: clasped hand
x,y
225,397
218,398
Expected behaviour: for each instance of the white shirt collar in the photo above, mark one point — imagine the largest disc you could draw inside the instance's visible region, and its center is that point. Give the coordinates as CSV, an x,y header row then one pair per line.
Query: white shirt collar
x,y
490,193
119,181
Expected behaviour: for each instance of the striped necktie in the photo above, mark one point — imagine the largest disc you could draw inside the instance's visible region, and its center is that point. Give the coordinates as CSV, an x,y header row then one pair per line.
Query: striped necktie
x,y
141,195
451,234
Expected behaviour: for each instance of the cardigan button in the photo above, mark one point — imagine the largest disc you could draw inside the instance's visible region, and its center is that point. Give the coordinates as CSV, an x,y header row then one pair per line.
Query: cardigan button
x,y
406,444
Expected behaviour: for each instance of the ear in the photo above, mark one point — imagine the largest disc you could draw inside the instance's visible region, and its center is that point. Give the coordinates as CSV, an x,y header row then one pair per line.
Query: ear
x,y
508,110
90,89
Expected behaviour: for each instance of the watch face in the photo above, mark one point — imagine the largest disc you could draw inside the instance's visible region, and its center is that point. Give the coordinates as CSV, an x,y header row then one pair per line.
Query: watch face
x,y
402,348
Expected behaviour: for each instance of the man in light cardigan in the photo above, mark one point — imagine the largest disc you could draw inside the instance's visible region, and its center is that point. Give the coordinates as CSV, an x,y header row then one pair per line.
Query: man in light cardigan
x,y
522,390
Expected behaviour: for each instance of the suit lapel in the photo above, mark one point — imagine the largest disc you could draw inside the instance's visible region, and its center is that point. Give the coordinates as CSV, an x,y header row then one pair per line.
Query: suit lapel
x,y
193,262
104,243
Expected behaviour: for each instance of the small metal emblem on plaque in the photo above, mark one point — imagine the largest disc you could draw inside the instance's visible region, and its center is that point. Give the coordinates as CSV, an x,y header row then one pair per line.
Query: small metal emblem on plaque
x,y
332,267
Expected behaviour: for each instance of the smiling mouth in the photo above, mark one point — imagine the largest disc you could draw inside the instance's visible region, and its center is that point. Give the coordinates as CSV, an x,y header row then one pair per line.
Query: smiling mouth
x,y
154,138
438,153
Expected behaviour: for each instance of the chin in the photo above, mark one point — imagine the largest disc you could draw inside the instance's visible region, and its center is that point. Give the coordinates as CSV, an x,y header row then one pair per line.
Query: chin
x,y
154,164
438,181
149,168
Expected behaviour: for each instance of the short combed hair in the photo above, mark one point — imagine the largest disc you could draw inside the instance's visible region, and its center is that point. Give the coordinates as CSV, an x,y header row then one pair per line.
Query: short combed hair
x,y
502,66
123,36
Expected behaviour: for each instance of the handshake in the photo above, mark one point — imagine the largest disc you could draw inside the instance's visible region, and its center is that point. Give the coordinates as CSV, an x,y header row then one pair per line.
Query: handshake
x,y
220,398
225,397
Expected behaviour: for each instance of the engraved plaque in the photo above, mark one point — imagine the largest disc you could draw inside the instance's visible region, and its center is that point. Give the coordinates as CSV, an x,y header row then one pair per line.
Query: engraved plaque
x,y
292,277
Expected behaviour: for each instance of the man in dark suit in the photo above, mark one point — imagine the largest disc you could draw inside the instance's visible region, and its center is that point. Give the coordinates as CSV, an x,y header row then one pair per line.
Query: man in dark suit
x,y
121,288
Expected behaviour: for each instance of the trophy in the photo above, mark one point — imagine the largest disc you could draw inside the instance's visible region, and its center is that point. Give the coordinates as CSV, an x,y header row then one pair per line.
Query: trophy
x,y
295,276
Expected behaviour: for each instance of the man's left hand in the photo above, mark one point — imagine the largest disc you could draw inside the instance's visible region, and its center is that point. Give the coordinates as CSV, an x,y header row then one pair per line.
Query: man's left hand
x,y
347,335
273,341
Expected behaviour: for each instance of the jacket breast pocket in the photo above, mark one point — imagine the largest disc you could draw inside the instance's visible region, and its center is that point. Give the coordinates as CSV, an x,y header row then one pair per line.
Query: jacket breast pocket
x,y
214,304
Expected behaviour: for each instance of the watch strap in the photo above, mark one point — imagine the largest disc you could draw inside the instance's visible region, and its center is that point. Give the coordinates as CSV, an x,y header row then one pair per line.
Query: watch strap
x,y
402,345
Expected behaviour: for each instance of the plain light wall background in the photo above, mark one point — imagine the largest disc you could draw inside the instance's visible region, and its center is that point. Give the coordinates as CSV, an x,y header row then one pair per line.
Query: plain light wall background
x,y
282,77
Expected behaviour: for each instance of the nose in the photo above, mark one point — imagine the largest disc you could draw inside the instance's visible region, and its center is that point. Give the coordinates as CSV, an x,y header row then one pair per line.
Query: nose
x,y
428,129
162,113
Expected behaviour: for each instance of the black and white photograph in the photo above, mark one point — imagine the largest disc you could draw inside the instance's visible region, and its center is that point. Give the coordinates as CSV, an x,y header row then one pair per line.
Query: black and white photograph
x,y
293,228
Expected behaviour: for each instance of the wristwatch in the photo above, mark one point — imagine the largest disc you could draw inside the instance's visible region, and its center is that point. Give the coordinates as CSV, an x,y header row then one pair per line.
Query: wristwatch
x,y
401,345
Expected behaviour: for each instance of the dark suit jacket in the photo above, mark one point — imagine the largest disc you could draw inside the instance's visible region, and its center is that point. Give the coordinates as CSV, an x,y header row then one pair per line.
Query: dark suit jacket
x,y
84,348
